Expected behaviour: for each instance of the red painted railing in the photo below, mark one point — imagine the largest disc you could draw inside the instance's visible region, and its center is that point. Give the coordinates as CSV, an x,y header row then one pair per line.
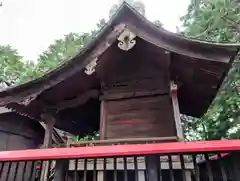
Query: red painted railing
x,y
201,160
123,150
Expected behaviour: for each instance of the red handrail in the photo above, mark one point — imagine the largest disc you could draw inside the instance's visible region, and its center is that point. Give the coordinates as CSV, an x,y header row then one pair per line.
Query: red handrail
x,y
120,150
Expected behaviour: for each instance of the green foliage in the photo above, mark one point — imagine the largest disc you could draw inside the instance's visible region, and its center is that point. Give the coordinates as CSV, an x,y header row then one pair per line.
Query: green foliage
x,y
193,129
217,20
11,66
58,52
94,136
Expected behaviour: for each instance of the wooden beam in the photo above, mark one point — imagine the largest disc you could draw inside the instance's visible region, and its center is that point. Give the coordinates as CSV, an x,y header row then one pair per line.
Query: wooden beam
x,y
100,176
123,141
176,112
49,121
81,99
188,175
103,120
55,137
60,170
141,175
153,167
235,158
224,146
135,94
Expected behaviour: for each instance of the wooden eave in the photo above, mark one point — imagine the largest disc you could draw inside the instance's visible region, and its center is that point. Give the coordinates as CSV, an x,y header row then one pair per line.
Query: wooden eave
x,y
125,17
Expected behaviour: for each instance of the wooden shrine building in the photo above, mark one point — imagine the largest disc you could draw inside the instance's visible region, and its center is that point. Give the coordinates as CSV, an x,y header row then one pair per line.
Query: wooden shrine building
x,y
131,82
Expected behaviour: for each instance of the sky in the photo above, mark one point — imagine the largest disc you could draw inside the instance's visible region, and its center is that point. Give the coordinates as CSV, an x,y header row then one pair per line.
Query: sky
x,y
30,26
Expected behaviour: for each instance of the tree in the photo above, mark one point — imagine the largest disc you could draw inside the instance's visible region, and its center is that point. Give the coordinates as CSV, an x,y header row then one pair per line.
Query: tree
x,y
215,20
218,21
58,52
63,49
11,66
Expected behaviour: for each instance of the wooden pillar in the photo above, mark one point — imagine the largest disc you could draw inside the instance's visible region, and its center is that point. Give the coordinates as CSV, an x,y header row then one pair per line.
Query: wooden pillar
x,y
100,175
60,170
49,120
176,112
188,175
153,167
141,175
235,159
103,120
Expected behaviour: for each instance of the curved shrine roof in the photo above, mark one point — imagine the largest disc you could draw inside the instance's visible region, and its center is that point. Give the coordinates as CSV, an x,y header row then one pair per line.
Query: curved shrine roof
x,y
199,66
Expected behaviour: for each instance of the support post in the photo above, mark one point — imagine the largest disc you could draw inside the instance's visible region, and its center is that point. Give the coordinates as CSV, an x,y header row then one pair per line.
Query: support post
x,y
100,175
49,120
141,175
188,175
176,112
235,159
103,120
60,170
153,167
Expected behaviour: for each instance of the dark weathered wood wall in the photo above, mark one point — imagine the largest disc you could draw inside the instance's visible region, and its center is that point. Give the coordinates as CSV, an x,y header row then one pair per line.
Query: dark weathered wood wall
x,y
137,102
139,117
17,133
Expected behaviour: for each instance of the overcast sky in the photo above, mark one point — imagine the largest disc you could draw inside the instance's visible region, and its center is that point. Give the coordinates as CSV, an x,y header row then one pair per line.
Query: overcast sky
x,y
31,25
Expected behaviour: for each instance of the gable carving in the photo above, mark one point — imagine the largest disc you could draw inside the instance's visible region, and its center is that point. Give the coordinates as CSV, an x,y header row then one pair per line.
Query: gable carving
x,y
126,40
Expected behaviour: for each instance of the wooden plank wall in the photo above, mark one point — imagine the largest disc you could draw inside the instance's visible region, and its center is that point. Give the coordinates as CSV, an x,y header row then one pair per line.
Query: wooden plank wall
x,y
137,102
139,117
18,132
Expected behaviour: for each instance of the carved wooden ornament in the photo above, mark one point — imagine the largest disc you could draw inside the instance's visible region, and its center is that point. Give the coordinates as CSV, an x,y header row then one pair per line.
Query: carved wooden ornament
x,y
173,87
90,68
126,40
27,101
